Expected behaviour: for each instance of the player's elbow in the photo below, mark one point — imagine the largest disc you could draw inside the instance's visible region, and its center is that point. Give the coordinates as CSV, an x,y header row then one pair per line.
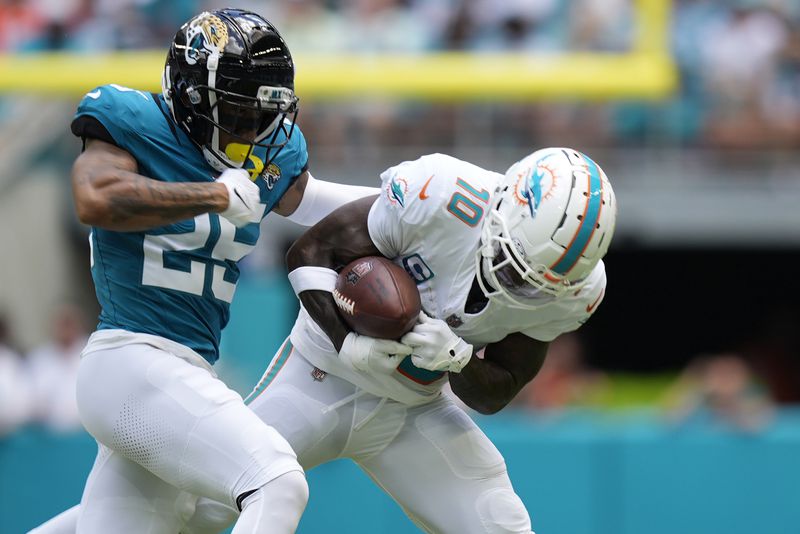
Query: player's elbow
x,y
482,403
302,252
92,204
294,257
91,209
488,406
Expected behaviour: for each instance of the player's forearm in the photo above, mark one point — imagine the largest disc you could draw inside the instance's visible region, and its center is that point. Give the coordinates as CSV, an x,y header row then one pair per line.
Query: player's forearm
x,y
484,386
334,242
124,201
321,307
489,384
312,250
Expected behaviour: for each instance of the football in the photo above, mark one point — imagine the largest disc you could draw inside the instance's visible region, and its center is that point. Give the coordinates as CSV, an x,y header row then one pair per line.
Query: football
x,y
377,298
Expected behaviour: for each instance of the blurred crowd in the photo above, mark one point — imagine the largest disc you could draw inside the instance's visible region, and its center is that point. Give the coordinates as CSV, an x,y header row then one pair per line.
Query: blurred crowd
x,y
739,64
739,60
723,390
39,387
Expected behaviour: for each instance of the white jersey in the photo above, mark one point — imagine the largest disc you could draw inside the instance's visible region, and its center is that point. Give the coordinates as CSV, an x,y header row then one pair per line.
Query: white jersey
x,y
428,218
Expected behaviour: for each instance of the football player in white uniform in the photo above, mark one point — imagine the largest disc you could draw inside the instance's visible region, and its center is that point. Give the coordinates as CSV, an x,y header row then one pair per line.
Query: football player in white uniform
x,y
503,264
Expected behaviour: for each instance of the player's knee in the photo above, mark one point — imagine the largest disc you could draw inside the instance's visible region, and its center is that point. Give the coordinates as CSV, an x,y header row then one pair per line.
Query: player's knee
x,y
501,511
210,517
294,486
290,488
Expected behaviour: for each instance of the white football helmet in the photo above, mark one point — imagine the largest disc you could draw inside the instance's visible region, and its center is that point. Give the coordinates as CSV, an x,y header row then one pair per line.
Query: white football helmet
x,y
551,221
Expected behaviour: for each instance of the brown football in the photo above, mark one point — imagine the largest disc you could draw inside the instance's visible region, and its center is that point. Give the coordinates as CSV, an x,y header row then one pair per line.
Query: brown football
x,y
377,298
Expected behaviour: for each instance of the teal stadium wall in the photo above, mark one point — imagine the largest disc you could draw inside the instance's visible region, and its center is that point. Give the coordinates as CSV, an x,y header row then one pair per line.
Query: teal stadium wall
x,y
580,472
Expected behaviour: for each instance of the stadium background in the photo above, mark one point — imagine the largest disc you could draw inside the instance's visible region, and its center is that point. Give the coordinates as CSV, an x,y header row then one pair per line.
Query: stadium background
x,y
671,410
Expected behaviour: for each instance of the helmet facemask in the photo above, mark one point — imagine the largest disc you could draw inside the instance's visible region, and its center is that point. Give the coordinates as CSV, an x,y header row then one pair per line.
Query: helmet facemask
x,y
505,277
240,123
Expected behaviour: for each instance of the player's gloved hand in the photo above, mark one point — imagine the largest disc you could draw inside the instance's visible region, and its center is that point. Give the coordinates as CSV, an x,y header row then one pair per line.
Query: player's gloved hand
x,y
371,354
436,347
244,200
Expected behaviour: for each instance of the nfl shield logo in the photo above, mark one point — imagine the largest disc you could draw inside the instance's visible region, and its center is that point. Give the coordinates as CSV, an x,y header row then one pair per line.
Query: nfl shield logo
x,y
454,321
318,374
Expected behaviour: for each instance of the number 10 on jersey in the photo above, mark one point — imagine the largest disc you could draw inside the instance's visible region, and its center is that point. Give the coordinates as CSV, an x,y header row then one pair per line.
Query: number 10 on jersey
x,y
465,203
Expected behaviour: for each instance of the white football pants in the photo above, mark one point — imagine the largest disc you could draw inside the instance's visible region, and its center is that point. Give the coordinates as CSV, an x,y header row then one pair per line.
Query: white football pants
x,y
167,429
432,459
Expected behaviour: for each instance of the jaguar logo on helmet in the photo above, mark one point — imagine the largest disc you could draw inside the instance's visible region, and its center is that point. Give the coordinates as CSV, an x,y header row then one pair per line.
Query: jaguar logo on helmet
x,y
205,34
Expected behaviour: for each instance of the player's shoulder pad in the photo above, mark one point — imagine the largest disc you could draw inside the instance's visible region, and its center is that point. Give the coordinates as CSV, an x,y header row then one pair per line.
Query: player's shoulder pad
x,y
122,110
593,291
292,159
423,185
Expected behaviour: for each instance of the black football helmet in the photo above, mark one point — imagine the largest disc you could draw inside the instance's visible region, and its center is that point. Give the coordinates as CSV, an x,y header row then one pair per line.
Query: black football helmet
x,y
229,82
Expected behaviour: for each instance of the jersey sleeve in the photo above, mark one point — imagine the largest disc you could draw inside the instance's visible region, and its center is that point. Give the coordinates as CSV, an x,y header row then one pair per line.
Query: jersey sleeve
x,y
118,110
574,310
292,160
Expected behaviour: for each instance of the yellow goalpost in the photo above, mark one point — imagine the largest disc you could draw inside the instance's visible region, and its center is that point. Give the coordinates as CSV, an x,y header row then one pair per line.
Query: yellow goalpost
x,y
645,72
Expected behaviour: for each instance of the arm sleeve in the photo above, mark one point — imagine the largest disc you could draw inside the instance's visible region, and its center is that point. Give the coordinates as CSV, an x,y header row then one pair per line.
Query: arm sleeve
x,y
88,127
320,198
385,229
400,216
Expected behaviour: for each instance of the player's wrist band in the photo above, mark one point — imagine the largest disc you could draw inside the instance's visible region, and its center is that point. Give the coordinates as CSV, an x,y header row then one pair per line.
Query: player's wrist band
x,y
311,278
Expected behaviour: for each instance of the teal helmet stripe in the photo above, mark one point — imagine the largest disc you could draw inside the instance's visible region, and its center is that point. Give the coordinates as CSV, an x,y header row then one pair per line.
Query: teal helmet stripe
x,y
588,225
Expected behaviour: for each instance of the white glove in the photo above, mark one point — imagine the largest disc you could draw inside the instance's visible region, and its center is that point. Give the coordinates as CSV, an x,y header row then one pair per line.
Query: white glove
x,y
372,355
244,199
436,347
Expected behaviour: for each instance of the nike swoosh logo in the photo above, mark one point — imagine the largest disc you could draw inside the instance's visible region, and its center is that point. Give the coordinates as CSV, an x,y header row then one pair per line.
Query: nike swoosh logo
x,y
94,94
590,308
423,192
240,198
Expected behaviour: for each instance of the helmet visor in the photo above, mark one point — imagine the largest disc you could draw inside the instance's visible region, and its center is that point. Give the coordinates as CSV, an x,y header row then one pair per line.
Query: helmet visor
x,y
250,119
245,122
241,121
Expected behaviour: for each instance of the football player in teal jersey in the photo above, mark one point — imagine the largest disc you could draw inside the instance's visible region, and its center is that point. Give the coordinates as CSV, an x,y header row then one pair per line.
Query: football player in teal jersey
x,y
174,186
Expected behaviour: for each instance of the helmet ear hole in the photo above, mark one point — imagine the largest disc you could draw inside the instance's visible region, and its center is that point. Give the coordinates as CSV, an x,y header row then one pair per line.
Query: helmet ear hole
x,y
179,91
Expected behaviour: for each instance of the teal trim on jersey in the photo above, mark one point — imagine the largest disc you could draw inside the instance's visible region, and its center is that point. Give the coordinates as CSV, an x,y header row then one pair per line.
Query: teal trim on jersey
x,y
420,376
174,281
276,365
588,224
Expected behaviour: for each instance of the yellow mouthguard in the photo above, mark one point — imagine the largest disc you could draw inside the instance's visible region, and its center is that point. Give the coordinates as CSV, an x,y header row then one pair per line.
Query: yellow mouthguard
x,y
237,152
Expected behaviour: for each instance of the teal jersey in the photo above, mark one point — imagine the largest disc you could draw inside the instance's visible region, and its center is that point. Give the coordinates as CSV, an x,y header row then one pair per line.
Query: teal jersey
x,y
175,281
